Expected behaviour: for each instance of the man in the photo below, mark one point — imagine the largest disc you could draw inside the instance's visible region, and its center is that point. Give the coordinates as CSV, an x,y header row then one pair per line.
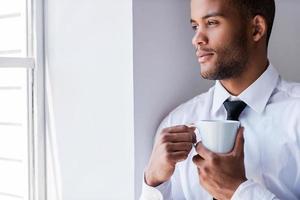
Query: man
x,y
231,40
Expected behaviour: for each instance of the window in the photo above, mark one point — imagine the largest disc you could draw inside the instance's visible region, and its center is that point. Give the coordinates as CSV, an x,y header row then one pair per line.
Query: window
x,y
21,156
14,128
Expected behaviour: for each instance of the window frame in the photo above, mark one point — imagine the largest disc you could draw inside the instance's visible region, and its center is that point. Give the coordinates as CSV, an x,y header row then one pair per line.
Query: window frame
x,y
34,62
37,140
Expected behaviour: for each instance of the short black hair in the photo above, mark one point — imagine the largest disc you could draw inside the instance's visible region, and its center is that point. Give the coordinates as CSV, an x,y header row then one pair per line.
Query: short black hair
x,y
251,8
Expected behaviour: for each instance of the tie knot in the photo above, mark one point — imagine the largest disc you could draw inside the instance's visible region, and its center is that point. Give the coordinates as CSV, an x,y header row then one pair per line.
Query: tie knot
x,y
234,109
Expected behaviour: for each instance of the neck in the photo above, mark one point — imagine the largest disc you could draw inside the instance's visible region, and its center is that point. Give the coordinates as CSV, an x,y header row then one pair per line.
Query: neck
x,y
252,72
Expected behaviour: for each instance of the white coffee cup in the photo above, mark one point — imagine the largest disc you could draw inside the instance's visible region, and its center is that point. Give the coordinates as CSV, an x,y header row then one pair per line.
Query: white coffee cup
x,y
217,135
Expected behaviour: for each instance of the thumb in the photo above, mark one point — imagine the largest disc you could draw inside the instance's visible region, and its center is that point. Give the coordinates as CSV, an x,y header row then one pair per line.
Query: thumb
x,y
239,142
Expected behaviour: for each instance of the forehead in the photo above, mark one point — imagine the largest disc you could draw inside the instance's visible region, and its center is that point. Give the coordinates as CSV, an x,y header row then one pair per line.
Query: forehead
x,y
202,8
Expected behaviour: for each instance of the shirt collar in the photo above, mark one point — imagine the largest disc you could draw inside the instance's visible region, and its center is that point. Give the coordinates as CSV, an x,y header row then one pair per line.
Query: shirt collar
x,y
256,96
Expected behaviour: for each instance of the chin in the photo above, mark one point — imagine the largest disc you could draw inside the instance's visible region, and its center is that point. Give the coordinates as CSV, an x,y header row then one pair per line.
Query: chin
x,y
208,71
207,68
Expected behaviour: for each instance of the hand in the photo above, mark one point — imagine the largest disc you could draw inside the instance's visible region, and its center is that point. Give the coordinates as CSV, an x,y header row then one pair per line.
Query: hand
x,y
221,174
172,146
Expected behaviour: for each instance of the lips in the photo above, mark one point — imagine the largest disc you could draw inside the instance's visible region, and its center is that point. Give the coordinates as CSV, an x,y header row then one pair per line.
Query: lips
x,y
204,56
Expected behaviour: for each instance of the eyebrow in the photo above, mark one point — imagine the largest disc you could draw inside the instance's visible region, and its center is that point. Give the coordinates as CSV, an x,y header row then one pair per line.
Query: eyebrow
x,y
213,14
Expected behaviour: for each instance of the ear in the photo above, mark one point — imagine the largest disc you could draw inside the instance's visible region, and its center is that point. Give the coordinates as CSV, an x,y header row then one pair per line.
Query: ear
x,y
259,28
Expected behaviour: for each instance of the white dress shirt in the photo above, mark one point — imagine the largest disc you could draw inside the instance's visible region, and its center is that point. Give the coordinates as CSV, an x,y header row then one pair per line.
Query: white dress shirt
x,y
271,124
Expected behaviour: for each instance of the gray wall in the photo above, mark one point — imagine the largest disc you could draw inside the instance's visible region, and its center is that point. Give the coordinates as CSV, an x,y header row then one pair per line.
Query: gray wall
x,y
166,72
284,51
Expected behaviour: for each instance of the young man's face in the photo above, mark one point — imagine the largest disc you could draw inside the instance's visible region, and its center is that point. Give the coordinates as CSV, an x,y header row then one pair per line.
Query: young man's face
x,y
220,39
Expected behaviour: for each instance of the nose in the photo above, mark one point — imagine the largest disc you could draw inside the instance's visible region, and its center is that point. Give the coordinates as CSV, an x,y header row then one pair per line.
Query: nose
x,y
199,39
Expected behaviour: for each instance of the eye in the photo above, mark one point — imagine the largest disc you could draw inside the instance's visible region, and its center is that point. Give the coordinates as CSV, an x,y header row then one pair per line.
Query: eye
x,y
212,22
195,27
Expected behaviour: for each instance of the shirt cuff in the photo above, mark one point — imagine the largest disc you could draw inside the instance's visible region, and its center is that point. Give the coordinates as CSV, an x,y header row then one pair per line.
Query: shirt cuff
x,y
163,191
250,190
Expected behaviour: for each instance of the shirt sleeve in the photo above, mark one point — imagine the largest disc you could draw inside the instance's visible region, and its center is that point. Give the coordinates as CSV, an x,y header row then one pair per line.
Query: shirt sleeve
x,y
250,190
161,192
168,190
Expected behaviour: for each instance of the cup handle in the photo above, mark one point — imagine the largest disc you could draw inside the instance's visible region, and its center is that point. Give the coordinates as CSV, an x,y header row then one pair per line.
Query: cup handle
x,y
192,125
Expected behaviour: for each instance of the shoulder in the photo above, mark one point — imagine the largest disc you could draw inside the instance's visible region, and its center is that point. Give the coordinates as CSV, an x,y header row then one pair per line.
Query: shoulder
x,y
286,92
286,100
192,103
187,111
291,89
292,108
190,109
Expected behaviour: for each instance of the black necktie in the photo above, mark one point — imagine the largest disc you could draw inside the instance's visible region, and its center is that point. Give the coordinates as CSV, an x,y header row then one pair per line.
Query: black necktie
x,y
234,109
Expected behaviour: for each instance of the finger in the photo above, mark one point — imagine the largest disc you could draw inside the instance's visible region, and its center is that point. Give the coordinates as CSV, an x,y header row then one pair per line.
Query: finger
x,y
198,161
181,137
182,146
192,131
239,142
179,156
194,137
203,151
176,129
179,128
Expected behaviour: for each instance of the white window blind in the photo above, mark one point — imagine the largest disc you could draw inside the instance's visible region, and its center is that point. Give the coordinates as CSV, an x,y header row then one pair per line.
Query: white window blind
x,y
15,109
13,26
16,71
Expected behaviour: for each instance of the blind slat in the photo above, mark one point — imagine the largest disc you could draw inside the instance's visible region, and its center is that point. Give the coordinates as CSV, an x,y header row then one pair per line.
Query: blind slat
x,y
10,15
10,52
11,160
7,196
8,62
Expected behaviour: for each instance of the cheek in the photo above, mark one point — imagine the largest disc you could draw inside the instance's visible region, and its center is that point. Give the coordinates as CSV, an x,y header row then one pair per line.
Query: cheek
x,y
221,38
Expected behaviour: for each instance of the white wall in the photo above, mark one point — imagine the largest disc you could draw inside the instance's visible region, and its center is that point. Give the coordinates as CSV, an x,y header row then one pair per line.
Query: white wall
x,y
89,53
